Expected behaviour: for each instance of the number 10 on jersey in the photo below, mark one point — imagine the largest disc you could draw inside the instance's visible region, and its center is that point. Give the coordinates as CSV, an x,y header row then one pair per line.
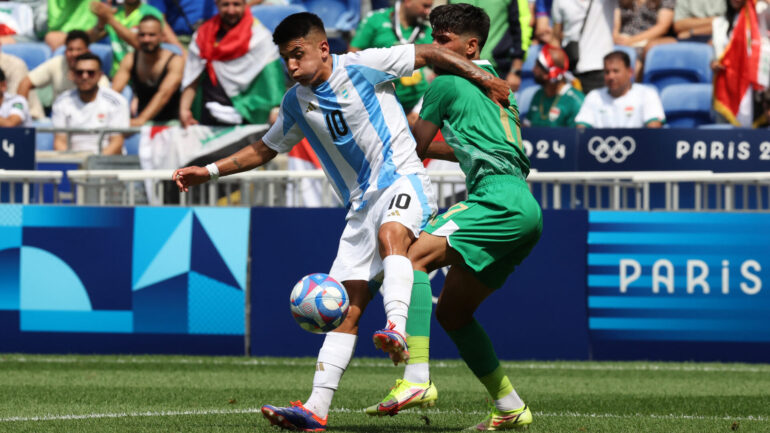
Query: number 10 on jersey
x,y
336,124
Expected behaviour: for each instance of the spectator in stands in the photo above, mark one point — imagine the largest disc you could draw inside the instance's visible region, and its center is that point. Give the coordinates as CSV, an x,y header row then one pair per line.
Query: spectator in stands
x,y
13,108
121,27
56,71
64,16
510,34
404,23
556,103
15,71
16,23
234,60
692,18
622,103
185,16
764,119
543,31
641,24
155,75
584,30
90,106
740,66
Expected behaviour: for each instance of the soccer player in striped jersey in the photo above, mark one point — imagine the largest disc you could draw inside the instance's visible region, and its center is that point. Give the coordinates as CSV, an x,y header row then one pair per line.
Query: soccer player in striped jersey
x,y
486,236
346,107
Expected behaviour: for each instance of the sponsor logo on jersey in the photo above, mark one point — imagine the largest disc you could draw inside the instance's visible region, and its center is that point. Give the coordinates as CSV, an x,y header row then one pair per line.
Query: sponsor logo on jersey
x,y
310,107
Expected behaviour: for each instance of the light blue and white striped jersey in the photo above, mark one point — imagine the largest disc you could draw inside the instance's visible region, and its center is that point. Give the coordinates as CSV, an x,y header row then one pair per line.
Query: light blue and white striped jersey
x,y
354,123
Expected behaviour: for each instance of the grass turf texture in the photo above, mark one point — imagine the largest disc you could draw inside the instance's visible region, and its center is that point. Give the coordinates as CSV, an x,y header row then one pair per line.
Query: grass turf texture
x,y
189,394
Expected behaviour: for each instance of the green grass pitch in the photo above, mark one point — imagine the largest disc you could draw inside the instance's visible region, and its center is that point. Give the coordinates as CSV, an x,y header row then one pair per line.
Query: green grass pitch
x,y
206,394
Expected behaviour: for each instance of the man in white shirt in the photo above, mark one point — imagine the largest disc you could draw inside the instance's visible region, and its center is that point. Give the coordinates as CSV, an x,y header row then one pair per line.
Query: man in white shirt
x,y
621,104
589,23
56,71
13,108
90,106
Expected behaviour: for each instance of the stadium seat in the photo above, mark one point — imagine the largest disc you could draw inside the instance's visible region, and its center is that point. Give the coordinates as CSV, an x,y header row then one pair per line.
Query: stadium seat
x,y
173,48
687,105
682,62
527,76
631,54
104,52
128,93
524,99
337,15
272,15
131,144
43,140
33,53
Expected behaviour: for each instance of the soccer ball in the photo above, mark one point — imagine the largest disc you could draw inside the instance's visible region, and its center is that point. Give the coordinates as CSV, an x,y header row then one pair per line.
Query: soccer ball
x,y
319,303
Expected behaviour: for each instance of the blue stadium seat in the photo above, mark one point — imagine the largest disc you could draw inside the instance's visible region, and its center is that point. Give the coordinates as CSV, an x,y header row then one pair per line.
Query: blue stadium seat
x,y
43,140
272,15
337,15
524,99
173,48
128,93
631,54
131,144
104,52
687,105
33,53
527,76
682,62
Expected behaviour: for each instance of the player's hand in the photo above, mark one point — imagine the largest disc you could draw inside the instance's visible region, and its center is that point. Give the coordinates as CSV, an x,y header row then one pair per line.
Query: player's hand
x,y
190,176
498,90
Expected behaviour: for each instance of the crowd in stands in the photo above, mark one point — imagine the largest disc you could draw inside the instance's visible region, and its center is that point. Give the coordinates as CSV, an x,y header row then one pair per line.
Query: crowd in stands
x,y
572,63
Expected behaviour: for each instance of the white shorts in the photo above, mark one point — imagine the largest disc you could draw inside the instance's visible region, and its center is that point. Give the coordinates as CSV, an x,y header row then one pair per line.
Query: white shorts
x,y
409,201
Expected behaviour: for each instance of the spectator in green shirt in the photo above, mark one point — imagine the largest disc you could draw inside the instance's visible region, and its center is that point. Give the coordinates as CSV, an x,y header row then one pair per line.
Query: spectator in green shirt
x,y
121,26
404,23
556,103
66,15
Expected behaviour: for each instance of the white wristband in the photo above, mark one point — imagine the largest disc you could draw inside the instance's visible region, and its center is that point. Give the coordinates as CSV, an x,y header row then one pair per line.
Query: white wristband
x,y
213,171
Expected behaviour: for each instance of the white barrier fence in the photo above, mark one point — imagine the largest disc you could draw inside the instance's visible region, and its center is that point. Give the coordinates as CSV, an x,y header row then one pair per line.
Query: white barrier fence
x,y
562,190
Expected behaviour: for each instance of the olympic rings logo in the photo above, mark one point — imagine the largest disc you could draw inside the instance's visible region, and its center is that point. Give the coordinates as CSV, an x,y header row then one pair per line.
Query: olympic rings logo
x,y
607,149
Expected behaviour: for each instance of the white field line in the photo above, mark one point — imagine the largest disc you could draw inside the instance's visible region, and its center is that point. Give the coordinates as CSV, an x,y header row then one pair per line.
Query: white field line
x,y
759,418
600,366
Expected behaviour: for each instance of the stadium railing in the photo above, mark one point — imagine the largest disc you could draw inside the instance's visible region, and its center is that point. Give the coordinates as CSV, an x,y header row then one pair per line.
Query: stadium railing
x,y
102,132
23,186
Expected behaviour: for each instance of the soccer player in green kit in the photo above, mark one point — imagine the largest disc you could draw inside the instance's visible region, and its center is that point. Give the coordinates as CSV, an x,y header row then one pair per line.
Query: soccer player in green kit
x,y
484,237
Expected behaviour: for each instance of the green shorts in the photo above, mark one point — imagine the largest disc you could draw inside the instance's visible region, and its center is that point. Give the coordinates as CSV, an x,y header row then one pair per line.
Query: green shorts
x,y
494,230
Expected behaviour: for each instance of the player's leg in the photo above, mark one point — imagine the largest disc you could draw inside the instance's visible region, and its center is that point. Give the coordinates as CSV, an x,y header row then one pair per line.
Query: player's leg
x,y
461,296
333,359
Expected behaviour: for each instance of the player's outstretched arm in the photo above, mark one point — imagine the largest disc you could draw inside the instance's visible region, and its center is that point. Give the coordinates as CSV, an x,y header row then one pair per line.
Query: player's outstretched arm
x,y
424,131
453,63
248,158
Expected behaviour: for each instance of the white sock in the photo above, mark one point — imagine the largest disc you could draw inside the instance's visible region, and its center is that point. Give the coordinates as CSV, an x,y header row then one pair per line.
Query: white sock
x,y
510,402
397,290
417,373
333,359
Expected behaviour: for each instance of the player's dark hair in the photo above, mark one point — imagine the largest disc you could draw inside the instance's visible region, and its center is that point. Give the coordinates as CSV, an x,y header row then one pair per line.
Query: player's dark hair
x,y
88,56
2,76
151,18
74,35
297,26
461,19
619,55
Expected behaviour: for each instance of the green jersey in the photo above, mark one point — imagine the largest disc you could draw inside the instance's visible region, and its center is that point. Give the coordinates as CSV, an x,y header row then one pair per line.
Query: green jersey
x,y
66,15
377,31
485,137
120,47
557,111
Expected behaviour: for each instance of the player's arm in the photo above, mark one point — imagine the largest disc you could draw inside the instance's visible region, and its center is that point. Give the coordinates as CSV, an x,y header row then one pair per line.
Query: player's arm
x,y
455,64
248,158
168,87
424,131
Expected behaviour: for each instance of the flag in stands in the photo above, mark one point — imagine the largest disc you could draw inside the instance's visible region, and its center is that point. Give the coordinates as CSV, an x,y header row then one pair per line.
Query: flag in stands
x,y
309,194
245,62
745,64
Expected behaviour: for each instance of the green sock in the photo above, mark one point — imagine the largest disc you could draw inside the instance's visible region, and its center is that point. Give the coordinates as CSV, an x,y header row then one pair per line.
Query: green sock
x,y
418,324
476,350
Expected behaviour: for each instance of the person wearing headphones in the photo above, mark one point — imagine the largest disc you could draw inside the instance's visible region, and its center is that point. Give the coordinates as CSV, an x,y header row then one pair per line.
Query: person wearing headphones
x,y
556,103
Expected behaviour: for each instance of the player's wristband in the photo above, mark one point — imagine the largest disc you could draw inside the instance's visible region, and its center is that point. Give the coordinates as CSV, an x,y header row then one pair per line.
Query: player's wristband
x,y
213,171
